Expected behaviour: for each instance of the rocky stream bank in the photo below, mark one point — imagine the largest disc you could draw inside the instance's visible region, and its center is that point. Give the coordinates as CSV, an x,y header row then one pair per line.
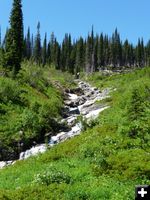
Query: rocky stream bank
x,y
80,101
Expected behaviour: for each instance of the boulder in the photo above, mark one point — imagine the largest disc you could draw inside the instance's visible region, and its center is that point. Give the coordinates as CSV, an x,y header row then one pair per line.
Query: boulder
x,y
74,111
77,91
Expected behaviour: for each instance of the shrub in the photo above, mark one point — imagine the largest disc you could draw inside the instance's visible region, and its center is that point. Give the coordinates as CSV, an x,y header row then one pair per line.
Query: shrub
x,y
52,176
137,106
34,76
85,124
9,90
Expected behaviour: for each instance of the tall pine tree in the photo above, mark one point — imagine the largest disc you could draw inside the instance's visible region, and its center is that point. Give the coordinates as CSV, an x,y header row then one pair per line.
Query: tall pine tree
x,y
28,44
37,46
147,50
44,50
101,51
14,47
79,60
88,55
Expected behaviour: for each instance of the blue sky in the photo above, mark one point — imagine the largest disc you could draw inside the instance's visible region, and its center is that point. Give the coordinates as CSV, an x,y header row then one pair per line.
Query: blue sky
x,y
131,17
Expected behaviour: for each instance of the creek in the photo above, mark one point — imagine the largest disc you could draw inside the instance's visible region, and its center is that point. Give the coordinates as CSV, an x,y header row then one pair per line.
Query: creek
x,y
81,101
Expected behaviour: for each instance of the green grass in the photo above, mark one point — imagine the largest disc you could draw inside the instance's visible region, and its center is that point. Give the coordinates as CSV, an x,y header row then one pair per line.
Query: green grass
x,y
105,162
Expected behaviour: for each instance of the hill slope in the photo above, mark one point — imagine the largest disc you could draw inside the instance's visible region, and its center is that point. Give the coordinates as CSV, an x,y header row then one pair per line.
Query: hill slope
x,y
30,106
105,162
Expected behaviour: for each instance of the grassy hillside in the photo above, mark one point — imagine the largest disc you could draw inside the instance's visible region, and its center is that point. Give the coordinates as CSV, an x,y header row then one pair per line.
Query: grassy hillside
x,y
30,106
104,162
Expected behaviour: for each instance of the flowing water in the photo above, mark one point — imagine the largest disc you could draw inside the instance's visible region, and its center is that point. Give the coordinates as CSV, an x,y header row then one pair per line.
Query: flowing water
x,y
76,104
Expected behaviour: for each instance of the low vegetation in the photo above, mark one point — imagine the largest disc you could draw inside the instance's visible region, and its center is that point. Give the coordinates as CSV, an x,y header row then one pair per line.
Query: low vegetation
x,y
30,106
105,162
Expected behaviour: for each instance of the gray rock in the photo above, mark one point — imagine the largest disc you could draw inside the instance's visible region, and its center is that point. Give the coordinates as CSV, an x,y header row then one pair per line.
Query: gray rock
x,y
74,111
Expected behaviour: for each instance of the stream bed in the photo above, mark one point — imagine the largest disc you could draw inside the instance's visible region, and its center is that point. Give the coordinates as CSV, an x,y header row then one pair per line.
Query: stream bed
x,y
77,103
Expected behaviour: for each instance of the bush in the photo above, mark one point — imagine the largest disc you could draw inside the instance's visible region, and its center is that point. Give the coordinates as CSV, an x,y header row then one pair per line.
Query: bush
x,y
9,90
52,176
33,75
137,105
85,124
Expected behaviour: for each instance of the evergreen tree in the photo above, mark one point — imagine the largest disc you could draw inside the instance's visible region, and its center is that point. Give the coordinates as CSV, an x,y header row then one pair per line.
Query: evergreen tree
x,y
14,47
126,53
142,53
79,56
53,52
44,50
32,46
101,51
57,55
138,53
106,51
131,55
10,57
96,45
116,50
137,106
92,39
48,54
52,49
88,55
73,59
28,45
66,52
37,46
63,56
92,51
147,50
